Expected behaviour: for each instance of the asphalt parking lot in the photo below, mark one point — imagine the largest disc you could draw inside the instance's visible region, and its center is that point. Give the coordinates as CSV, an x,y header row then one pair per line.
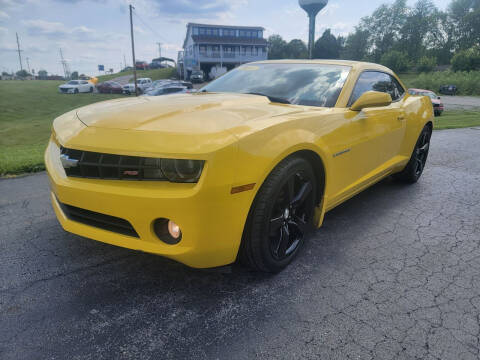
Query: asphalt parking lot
x,y
393,274
461,102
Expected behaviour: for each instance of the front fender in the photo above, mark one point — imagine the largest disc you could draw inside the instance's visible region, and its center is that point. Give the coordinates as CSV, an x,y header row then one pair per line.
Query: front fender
x,y
259,153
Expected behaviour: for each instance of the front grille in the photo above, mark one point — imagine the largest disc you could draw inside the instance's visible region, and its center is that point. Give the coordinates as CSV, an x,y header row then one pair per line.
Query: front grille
x,y
102,221
436,105
95,165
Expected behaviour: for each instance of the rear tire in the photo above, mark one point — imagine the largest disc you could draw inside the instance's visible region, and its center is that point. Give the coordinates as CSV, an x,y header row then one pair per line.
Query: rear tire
x,y
281,217
414,169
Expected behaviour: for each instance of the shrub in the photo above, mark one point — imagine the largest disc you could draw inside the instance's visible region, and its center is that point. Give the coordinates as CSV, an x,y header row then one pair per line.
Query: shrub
x,y
468,83
466,60
426,64
395,60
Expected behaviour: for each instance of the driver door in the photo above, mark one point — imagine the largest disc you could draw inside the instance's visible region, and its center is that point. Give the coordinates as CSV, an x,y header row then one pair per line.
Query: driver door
x,y
374,136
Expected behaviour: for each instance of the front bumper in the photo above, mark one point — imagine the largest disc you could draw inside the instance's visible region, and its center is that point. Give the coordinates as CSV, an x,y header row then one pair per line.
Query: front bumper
x,y
66,90
210,217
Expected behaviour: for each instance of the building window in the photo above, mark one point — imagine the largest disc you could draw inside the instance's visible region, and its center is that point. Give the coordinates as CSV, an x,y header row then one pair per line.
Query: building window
x,y
195,31
202,31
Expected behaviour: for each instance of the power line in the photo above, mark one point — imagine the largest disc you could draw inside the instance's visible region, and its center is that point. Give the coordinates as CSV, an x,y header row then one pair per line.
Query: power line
x,y
149,27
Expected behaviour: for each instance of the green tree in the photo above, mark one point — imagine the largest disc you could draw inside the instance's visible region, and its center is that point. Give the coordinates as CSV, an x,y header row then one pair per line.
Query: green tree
x,y
22,73
465,14
384,26
357,45
426,64
418,25
327,46
466,60
277,47
74,75
395,60
296,49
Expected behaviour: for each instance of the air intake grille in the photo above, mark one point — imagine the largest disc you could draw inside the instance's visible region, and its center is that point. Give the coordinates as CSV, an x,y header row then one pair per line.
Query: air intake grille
x,y
113,167
102,221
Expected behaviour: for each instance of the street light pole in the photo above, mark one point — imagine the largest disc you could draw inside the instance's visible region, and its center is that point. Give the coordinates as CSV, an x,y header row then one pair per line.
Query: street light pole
x,y
133,51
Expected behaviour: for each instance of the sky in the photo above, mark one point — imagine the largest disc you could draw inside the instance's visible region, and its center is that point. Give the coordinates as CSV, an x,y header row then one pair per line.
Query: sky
x,y
93,32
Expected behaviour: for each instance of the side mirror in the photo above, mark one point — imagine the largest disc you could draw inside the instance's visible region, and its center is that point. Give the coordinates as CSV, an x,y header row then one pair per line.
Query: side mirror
x,y
371,99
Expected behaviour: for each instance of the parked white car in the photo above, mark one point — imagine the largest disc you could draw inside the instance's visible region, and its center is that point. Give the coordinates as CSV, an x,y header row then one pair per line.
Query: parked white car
x,y
76,86
142,84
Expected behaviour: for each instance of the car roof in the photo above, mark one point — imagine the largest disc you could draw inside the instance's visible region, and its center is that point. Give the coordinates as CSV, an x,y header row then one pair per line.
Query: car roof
x,y
358,65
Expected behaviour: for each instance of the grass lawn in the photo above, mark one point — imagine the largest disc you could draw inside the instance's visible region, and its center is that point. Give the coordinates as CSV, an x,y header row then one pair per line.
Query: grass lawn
x,y
29,107
457,119
27,111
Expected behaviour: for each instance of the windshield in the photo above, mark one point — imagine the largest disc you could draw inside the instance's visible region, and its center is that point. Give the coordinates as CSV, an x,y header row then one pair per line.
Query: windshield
x,y
429,94
300,84
73,82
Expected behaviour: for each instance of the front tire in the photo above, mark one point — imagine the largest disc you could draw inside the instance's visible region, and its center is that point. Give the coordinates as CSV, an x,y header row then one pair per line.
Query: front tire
x,y
281,216
414,169
75,91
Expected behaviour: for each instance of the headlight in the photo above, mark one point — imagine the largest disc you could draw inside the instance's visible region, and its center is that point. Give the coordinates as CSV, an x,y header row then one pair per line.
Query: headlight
x,y
173,170
187,171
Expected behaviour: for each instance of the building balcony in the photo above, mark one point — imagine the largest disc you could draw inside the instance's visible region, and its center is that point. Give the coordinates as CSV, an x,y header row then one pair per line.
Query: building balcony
x,y
228,57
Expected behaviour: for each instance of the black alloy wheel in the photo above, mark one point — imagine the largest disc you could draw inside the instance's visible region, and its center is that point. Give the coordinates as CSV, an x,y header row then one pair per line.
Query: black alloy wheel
x,y
289,217
421,153
281,216
414,169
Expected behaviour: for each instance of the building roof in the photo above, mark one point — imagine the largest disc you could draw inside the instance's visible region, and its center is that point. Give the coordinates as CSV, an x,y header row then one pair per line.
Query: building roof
x,y
226,26
228,40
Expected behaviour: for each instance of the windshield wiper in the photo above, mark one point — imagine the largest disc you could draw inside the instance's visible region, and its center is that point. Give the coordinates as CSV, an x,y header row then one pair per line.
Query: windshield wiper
x,y
272,98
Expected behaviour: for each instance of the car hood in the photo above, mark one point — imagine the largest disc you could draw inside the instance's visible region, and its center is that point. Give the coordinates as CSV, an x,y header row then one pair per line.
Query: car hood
x,y
183,113
174,125
436,101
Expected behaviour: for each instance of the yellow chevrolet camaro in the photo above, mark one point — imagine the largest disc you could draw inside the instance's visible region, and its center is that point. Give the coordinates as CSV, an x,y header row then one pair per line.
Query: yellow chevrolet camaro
x,y
243,169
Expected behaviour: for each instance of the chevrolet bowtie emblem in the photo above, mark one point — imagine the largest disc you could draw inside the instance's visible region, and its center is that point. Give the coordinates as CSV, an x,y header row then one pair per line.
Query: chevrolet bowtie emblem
x,y
67,162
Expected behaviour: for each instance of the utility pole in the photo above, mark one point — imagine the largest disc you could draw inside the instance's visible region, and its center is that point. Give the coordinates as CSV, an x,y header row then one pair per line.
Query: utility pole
x,y
124,61
133,50
19,53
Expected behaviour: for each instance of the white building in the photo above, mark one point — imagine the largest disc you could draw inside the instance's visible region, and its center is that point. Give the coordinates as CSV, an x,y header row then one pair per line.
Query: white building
x,y
206,46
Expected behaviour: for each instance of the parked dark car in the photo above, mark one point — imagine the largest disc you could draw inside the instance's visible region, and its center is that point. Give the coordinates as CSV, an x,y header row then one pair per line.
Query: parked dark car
x,y
166,90
448,90
141,65
197,76
109,87
156,65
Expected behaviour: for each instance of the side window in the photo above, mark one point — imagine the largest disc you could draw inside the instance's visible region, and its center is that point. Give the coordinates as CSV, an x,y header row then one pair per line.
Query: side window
x,y
376,81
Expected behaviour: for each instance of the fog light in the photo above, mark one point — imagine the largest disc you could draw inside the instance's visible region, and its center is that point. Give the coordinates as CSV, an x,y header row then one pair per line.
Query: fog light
x,y
167,231
174,229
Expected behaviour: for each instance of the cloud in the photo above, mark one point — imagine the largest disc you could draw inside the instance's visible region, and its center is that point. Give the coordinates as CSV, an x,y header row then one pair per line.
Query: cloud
x,y
3,15
196,7
58,31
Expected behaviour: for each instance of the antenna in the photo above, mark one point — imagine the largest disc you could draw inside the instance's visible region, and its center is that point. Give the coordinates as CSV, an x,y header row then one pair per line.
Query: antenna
x,y
312,7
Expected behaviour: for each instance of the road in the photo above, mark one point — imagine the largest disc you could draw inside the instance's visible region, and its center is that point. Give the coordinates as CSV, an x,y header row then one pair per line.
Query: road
x,y
461,102
393,274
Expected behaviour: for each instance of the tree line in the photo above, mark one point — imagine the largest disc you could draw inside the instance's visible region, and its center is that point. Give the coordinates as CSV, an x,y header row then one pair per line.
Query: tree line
x,y
401,37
